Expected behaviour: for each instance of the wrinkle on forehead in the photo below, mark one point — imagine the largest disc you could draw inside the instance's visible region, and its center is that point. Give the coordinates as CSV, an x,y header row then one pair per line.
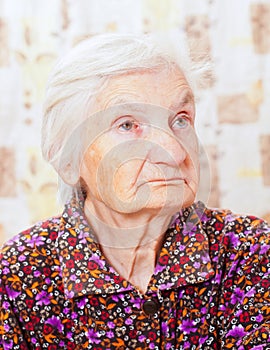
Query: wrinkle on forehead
x,y
131,101
128,103
166,88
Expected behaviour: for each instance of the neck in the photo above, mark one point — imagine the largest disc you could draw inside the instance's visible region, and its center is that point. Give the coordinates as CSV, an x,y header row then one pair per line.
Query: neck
x,y
126,230
130,242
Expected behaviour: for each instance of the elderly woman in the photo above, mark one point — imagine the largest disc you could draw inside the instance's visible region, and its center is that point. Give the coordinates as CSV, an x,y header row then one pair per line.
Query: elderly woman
x,y
133,262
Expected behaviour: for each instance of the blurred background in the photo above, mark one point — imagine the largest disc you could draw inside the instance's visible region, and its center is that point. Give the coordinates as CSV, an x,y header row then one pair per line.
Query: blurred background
x,y
233,112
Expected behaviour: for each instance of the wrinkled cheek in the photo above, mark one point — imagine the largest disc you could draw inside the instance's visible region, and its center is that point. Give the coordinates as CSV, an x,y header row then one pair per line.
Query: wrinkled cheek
x,y
191,146
196,172
118,187
106,183
129,176
124,179
194,179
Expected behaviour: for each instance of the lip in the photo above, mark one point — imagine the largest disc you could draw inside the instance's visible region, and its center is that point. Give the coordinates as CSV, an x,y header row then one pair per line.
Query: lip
x,y
165,181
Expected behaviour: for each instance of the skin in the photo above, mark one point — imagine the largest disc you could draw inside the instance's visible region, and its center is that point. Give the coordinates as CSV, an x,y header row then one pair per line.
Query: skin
x,y
140,167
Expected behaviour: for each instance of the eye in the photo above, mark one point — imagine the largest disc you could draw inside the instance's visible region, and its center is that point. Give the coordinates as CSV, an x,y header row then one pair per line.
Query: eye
x,y
128,125
181,122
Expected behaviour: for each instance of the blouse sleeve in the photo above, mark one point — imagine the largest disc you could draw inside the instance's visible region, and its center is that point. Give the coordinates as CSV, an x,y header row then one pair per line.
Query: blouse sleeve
x,y
11,335
246,291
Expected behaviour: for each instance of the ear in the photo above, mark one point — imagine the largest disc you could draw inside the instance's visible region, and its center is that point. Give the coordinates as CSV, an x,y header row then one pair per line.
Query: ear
x,y
69,175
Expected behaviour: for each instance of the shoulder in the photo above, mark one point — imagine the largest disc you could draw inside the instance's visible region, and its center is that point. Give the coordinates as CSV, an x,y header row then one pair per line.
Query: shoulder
x,y
233,228
30,246
239,248
240,252
234,236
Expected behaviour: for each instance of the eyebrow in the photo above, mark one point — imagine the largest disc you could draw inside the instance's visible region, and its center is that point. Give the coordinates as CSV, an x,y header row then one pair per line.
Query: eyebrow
x,y
184,99
120,101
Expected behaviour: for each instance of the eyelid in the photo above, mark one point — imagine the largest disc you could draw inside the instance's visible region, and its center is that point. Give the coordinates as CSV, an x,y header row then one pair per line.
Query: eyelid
x,y
116,122
182,114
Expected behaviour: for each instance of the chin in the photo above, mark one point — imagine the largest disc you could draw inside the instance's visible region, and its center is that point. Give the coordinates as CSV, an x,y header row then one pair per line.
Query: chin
x,y
170,206
169,199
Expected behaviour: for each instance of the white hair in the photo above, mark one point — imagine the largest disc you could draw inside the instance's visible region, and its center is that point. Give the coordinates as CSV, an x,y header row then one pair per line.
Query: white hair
x,y
79,77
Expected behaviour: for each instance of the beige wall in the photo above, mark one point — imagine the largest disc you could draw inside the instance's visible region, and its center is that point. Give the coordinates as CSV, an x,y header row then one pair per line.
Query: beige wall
x,y
233,115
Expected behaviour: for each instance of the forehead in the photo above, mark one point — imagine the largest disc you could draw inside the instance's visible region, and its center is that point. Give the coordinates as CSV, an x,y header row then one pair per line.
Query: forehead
x,y
166,88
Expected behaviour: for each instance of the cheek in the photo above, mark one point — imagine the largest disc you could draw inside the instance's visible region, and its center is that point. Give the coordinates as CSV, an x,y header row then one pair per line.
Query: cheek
x,y
189,141
97,153
126,173
90,166
191,145
110,171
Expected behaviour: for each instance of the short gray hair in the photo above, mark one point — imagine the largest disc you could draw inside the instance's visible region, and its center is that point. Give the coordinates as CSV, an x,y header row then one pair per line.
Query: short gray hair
x,y
80,76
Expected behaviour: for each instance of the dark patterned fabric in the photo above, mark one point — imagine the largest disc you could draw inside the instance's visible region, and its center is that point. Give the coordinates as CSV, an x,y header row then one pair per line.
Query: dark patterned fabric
x,y
210,288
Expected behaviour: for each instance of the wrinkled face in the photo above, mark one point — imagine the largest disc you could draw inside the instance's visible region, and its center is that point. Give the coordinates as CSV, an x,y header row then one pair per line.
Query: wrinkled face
x,y
144,155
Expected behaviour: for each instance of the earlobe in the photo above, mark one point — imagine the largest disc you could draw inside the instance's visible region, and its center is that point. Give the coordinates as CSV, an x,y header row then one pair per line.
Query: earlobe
x,y
69,175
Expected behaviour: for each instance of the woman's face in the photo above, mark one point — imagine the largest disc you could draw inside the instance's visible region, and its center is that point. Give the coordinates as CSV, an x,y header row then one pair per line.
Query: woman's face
x,y
144,155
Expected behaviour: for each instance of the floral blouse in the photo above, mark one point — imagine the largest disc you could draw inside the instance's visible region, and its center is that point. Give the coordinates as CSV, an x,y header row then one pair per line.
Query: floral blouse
x,y
210,288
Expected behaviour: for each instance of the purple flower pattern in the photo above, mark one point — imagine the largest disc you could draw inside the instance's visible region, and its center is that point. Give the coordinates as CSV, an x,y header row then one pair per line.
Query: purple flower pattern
x,y
211,287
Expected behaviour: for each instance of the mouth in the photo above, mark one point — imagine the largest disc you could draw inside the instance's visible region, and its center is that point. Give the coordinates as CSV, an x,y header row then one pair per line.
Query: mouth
x,y
162,181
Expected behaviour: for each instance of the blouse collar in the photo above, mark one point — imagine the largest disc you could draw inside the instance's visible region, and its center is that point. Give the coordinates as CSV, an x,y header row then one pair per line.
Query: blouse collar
x,y
183,259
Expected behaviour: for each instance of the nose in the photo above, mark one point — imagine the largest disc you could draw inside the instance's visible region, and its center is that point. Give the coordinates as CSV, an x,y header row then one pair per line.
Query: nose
x,y
165,148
